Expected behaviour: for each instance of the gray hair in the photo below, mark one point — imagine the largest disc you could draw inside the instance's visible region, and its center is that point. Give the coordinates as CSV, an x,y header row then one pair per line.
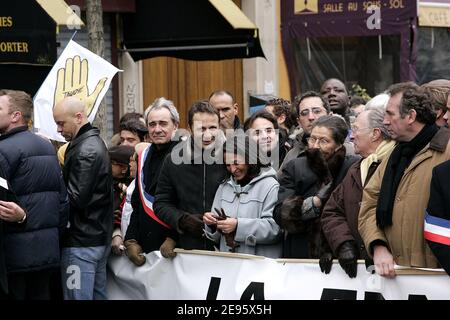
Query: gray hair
x,y
376,108
163,103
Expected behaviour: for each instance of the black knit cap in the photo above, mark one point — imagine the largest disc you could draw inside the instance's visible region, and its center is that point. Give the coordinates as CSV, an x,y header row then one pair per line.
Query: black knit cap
x,y
121,154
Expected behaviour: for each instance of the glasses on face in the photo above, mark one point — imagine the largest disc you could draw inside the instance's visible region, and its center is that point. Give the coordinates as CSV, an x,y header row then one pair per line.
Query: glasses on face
x,y
315,110
322,141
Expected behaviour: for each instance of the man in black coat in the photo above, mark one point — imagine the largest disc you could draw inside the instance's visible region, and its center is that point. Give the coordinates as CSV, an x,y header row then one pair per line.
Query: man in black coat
x,y
31,167
437,218
190,177
146,232
87,173
9,211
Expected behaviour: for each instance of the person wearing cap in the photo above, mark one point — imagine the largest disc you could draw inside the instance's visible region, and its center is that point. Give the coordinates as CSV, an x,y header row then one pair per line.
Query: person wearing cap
x,y
120,158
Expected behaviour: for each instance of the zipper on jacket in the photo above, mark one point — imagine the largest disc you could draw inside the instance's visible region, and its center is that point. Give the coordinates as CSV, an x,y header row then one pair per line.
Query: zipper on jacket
x,y
204,188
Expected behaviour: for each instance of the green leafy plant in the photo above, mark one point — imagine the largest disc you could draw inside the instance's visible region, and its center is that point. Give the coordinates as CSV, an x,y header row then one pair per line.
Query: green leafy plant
x,y
357,90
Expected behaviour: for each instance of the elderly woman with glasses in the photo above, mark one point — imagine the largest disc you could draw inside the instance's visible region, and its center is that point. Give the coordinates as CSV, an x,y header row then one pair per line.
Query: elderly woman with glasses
x,y
306,184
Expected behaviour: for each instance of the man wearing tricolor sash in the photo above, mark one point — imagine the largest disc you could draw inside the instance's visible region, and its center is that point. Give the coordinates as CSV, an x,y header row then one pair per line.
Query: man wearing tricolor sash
x,y
146,231
437,217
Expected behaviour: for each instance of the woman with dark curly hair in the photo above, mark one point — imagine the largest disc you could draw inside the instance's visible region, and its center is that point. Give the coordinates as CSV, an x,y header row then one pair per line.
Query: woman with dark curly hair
x,y
241,218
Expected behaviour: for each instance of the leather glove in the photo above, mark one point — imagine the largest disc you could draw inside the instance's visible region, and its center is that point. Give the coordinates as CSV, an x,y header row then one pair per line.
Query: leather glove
x,y
326,262
192,224
309,210
348,258
229,237
167,247
290,215
134,252
324,192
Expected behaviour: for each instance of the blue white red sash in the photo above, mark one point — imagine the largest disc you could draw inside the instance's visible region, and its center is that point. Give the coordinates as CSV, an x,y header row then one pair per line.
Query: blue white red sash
x,y
437,229
146,199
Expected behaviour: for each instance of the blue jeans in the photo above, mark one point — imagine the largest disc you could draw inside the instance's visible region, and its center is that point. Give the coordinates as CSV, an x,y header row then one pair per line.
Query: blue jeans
x,y
83,272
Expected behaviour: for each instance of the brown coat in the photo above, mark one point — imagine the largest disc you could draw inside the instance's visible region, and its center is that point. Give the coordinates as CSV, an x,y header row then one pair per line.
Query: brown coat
x,y
340,214
405,236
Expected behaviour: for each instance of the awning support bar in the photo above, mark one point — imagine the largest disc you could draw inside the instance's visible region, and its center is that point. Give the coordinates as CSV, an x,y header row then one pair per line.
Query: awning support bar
x,y
200,47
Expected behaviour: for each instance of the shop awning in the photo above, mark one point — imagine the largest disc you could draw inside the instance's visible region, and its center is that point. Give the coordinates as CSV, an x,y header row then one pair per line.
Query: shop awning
x,y
194,30
61,13
434,13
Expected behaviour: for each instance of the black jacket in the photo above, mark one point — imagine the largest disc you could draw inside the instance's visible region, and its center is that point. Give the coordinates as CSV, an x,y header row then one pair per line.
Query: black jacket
x,y
3,278
149,233
187,188
31,167
439,209
87,173
299,179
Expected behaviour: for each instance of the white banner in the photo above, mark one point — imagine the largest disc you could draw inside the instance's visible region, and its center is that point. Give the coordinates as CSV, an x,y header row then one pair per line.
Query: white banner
x,y
199,275
78,72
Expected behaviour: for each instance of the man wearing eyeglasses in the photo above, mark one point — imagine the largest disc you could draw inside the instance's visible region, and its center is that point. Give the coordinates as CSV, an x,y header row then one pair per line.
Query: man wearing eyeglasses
x,y
310,106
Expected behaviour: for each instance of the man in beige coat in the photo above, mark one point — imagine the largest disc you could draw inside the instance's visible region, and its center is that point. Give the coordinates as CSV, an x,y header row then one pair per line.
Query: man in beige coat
x,y
394,201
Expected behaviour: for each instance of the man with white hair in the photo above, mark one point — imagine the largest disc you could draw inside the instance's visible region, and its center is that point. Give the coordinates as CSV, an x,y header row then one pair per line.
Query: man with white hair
x,y
340,214
146,231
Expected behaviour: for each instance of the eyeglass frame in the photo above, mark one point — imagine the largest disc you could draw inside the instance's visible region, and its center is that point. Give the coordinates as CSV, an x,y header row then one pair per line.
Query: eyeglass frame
x,y
322,141
315,110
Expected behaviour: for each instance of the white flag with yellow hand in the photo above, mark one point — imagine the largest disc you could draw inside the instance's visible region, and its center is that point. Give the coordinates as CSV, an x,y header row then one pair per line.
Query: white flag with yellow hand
x,y
77,73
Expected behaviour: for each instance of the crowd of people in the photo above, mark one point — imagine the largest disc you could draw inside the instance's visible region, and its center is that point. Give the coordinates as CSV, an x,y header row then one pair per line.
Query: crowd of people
x,y
328,176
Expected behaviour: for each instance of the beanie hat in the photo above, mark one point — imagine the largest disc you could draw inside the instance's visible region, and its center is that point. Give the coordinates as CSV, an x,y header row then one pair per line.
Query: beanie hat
x,y
121,153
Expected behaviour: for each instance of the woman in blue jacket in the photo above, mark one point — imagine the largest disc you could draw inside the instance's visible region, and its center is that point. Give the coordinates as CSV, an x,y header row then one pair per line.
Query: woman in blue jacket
x,y
241,217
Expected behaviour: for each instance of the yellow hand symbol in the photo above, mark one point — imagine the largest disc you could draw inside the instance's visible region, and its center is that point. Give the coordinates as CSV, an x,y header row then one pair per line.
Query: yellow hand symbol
x,y
72,81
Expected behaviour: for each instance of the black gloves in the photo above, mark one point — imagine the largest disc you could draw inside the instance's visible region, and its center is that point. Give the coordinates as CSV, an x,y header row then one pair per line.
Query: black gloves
x,y
229,237
348,256
192,224
326,262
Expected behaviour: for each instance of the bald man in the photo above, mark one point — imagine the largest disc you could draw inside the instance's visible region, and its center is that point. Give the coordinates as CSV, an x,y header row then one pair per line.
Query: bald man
x,y
87,173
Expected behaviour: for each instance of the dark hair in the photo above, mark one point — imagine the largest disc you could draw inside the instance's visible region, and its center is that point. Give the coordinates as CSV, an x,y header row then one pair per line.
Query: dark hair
x,y
280,107
400,87
336,124
221,93
19,101
130,116
242,145
201,106
136,127
356,101
418,100
310,94
260,114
